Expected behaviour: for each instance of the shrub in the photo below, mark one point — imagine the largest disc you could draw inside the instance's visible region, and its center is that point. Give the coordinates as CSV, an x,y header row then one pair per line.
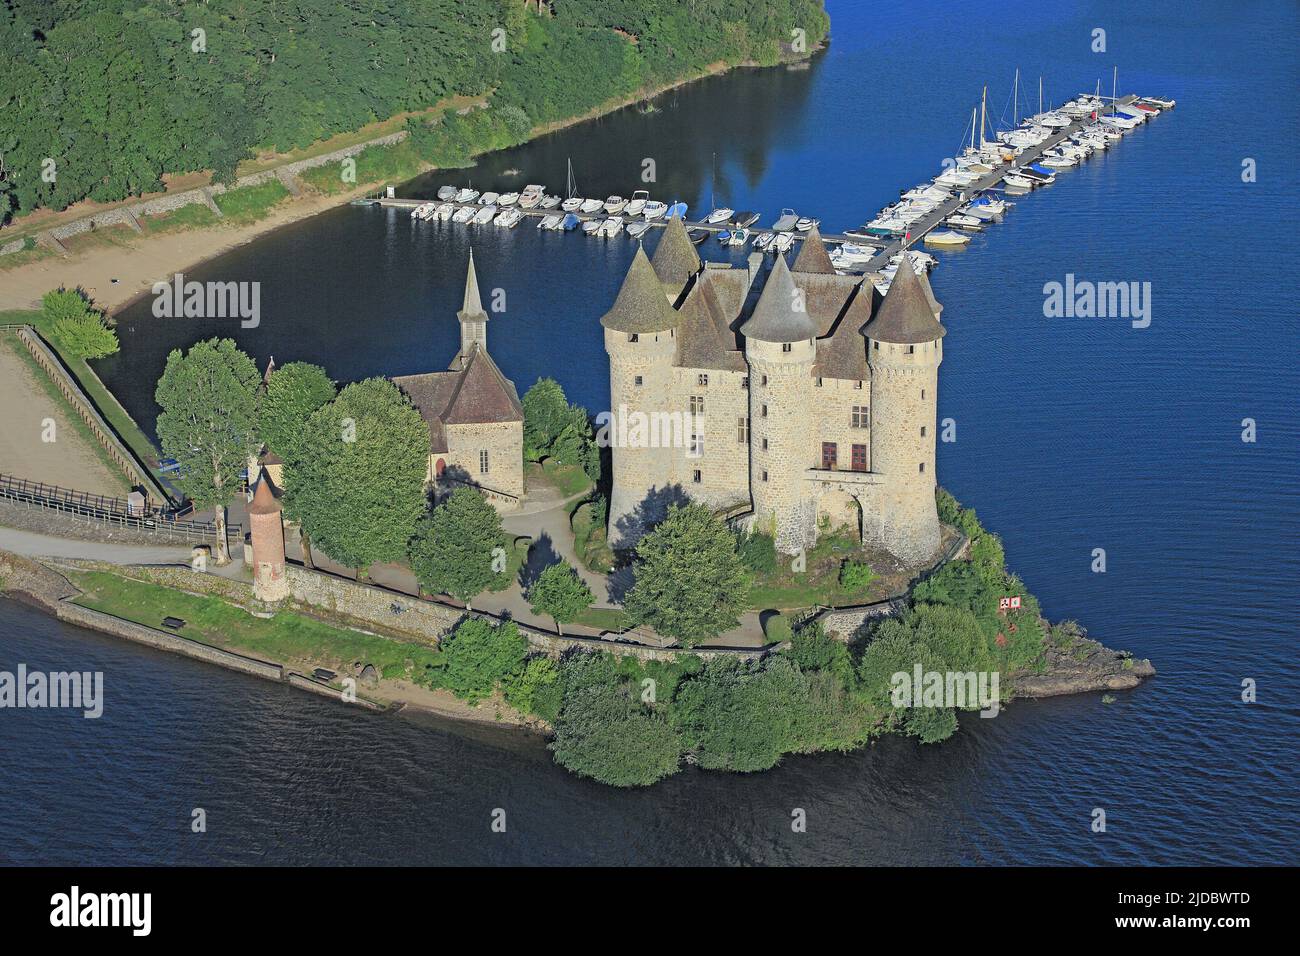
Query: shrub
x,y
79,329
527,689
476,656
757,552
777,629
856,575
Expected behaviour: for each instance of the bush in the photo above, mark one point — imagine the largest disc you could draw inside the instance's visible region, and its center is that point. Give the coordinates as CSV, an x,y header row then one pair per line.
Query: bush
x,y
528,689
78,329
856,575
476,656
757,552
777,629
814,650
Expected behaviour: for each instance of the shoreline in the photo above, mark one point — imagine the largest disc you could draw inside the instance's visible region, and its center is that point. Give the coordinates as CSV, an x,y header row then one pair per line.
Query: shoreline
x,y
144,260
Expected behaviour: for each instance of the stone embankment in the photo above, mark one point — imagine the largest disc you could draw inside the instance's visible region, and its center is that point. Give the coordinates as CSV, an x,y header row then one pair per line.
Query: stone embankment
x,y
1083,667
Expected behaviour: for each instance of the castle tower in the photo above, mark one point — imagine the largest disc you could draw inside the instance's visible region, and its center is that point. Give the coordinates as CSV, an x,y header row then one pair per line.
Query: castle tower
x,y
267,533
473,320
640,338
904,349
780,349
675,259
813,256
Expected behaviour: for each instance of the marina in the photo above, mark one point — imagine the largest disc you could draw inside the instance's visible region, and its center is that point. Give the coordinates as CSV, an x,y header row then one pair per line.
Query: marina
x,y
970,194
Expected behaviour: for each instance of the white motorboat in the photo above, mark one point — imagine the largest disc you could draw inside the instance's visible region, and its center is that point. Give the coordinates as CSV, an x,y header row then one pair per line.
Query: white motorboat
x,y
804,224
764,241
1056,161
637,229
592,226
948,238
1020,182
508,199
615,204
447,192
550,222
508,219
463,214
485,215
445,211
530,202
654,210
1161,103
786,221
636,205
856,253
548,202
572,204
466,195
611,227
721,214
783,241
738,237
591,205
959,221
488,199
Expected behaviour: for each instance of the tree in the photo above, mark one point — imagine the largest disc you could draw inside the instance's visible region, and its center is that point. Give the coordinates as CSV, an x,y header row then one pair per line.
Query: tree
x,y
455,546
690,584
293,393
79,329
560,593
477,655
208,399
546,413
357,486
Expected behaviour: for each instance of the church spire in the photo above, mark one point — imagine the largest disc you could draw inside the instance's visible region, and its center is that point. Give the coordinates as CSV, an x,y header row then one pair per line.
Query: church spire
x,y
473,320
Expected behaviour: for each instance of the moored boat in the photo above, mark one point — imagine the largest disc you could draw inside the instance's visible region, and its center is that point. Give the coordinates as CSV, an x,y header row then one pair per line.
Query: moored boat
x,y
947,238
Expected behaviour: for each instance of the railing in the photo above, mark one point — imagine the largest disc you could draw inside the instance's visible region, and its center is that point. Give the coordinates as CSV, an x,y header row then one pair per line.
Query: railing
x,y
108,511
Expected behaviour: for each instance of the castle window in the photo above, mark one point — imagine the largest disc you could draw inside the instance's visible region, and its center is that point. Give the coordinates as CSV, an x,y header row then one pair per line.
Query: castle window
x,y
819,381
786,346
765,411
696,477
697,446
764,379
637,381
633,337
483,462
922,431
765,476
922,394
876,346
861,416
697,404
858,385
744,381
911,350
830,455
702,380
859,458
922,469
764,444
742,430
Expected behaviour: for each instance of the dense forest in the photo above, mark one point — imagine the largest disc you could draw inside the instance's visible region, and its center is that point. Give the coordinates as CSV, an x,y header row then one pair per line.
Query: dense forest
x,y
98,98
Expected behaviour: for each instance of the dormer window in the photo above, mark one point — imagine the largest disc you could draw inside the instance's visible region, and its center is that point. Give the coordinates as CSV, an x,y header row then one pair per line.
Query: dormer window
x,y
633,337
786,347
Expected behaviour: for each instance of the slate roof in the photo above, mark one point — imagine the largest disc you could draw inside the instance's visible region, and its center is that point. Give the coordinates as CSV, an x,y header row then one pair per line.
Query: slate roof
x,y
844,353
813,256
700,341
907,316
675,259
476,394
471,309
781,314
641,305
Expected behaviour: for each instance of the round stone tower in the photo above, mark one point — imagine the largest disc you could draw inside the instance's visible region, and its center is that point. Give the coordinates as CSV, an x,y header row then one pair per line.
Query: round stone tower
x,y
904,349
267,534
641,341
780,349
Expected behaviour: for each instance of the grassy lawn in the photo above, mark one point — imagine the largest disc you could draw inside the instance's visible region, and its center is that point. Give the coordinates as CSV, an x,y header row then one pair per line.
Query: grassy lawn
x,y
33,253
286,637
250,203
570,480
194,216
604,618
786,590
589,540
375,164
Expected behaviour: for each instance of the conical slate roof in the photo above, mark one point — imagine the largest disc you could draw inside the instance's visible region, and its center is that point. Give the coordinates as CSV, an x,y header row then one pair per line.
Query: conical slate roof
x,y
641,305
813,256
675,259
906,316
781,314
472,309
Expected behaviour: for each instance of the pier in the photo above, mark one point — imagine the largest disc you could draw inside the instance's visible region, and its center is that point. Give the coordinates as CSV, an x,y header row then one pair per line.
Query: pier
x,y
916,232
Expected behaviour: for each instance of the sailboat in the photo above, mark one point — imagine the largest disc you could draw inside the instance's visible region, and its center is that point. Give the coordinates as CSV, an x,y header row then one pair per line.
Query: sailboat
x,y
572,201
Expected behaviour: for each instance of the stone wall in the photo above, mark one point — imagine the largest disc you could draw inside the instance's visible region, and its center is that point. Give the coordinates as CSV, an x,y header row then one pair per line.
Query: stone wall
x,y
504,443
426,621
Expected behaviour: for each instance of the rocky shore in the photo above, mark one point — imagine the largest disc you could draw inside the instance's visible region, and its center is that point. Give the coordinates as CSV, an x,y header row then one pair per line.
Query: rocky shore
x,y
1076,664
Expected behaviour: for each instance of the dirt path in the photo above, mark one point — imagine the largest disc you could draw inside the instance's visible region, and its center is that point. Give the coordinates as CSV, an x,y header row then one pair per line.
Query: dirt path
x,y
68,460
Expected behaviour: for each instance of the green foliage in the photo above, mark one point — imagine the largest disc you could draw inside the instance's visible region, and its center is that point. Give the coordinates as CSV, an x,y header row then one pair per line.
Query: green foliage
x,y
560,593
250,203
856,575
757,551
293,393
476,656
603,732
931,724
777,629
589,536
689,581
454,546
534,688
80,330
357,484
553,428
813,650
208,398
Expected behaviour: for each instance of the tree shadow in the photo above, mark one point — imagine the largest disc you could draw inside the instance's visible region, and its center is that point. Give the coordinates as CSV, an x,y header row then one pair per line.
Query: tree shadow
x,y
649,512
541,556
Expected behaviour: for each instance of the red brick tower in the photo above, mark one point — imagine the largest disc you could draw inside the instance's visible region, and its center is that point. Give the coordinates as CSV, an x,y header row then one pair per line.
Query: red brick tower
x,y
267,531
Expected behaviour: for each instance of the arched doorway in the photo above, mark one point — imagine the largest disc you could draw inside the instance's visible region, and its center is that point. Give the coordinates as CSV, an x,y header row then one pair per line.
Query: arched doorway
x,y
439,467
839,511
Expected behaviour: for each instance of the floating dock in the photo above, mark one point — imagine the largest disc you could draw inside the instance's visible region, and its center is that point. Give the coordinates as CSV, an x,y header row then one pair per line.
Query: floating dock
x,y
916,232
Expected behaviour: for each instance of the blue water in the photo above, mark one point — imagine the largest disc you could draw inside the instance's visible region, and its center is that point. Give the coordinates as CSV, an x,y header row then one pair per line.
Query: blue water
x,y
1073,435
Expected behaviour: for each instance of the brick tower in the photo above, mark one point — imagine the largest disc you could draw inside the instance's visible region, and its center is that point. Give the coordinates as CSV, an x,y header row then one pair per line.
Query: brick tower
x,y
267,532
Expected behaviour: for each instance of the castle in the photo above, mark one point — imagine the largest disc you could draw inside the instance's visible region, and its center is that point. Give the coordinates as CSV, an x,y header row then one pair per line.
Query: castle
x,y
812,399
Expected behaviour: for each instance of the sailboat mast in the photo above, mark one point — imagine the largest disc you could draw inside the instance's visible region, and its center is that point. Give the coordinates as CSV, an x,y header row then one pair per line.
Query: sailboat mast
x,y
1015,98
1040,93
1114,82
983,98
972,127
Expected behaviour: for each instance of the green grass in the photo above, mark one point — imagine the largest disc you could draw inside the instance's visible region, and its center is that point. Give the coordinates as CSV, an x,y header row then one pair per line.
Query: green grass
x,y
589,540
33,253
250,203
286,636
516,555
375,164
82,430
194,216
604,618
785,590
